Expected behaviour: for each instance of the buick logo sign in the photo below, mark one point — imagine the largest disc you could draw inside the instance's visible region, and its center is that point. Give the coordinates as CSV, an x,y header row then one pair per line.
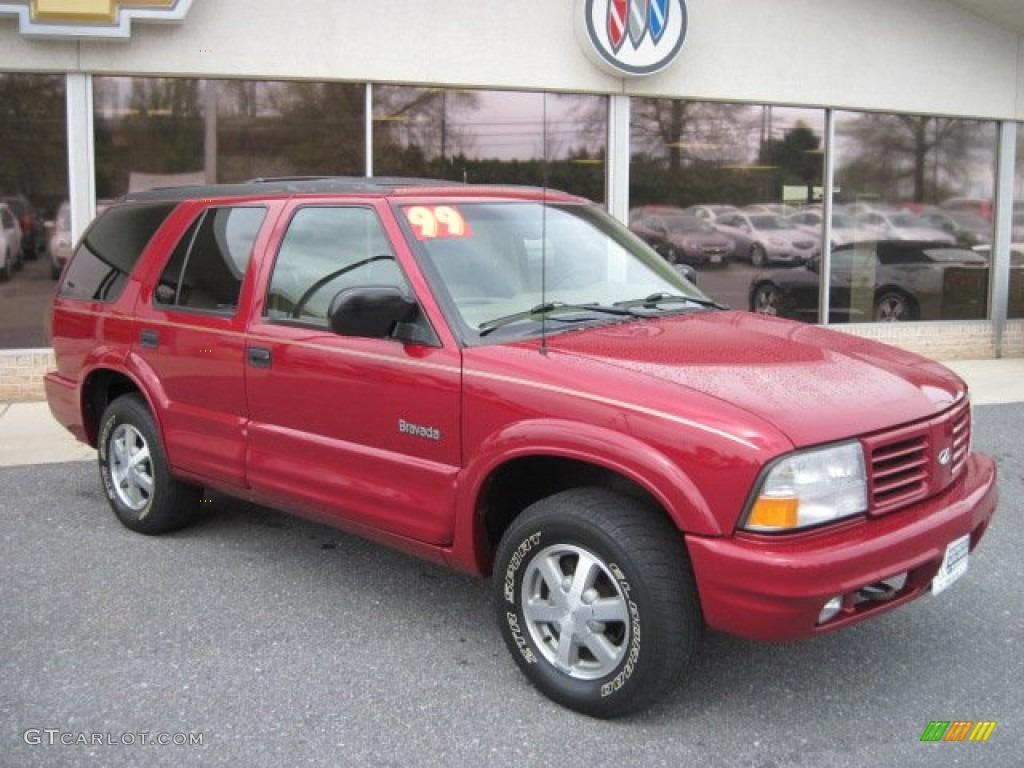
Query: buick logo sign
x,y
631,37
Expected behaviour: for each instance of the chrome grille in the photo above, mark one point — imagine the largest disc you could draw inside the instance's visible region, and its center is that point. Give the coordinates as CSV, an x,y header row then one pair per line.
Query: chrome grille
x,y
917,461
899,471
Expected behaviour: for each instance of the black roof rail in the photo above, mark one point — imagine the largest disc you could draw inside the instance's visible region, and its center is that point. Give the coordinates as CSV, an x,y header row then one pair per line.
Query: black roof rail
x,y
286,185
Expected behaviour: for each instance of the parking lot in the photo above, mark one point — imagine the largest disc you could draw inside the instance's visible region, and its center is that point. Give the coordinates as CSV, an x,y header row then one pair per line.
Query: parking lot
x,y
282,642
24,302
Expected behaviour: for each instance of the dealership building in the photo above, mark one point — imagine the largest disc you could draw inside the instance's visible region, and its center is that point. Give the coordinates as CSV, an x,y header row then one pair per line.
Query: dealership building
x,y
851,123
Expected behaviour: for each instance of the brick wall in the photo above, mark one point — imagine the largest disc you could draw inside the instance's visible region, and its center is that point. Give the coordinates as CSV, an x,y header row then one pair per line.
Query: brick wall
x,y
21,374
21,371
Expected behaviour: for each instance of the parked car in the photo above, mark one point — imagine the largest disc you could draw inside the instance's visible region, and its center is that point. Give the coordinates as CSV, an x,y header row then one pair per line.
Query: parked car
x,y
900,225
33,231
966,228
778,209
60,241
763,238
979,206
680,237
10,243
844,227
887,280
510,383
709,212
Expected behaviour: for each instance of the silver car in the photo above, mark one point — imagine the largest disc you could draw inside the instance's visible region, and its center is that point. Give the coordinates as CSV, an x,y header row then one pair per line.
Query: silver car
x,y
764,238
10,242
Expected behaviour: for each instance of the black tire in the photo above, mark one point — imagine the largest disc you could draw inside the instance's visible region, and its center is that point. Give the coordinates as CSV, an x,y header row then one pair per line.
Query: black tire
x,y
5,270
767,299
636,604
892,306
135,474
758,257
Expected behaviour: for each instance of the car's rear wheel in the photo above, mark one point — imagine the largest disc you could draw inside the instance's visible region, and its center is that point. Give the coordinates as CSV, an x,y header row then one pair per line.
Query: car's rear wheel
x,y
892,307
135,473
767,300
596,601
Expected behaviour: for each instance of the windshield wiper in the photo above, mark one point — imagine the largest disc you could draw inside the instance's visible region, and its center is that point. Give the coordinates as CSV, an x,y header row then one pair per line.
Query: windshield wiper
x,y
548,308
656,299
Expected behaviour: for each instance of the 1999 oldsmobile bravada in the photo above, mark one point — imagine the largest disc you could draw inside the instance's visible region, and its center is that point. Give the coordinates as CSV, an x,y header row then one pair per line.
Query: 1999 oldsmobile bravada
x,y
506,381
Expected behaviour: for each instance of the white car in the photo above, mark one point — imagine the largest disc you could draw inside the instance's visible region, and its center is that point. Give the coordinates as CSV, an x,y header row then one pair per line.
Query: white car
x,y
902,226
844,227
60,242
763,238
10,242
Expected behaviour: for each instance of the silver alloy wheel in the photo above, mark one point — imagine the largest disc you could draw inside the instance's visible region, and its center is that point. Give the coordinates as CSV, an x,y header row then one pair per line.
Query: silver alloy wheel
x,y
131,467
575,612
892,308
766,300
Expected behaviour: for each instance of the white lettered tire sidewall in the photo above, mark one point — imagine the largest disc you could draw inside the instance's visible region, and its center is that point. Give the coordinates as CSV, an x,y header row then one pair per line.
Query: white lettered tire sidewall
x,y
659,600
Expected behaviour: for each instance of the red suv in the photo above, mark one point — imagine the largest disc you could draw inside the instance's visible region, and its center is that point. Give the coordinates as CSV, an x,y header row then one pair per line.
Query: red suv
x,y
508,382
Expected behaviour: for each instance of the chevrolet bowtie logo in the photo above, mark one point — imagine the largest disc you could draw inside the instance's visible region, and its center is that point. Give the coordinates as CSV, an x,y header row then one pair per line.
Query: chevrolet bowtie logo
x,y
90,18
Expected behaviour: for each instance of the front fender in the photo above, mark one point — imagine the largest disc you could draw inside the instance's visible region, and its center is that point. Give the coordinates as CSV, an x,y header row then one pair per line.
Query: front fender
x,y
613,450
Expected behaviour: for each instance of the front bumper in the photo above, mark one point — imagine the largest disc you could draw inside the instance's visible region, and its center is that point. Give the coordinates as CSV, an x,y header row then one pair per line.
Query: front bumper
x,y
774,587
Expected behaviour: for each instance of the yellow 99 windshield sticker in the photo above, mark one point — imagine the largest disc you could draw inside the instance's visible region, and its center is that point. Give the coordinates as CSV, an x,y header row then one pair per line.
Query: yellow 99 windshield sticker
x,y
430,222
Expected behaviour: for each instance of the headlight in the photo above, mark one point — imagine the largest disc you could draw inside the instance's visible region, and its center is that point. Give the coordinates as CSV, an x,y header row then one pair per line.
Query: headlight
x,y
810,488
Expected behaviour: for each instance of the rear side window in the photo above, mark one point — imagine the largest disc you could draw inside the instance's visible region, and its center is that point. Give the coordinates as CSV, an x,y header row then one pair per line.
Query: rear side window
x,y
110,250
205,270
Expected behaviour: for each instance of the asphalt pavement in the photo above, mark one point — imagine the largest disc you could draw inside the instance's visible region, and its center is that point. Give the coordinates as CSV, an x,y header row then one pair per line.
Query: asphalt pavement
x,y
278,642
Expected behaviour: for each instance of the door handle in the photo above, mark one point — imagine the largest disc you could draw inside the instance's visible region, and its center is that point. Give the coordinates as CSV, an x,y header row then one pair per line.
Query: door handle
x,y
150,338
259,357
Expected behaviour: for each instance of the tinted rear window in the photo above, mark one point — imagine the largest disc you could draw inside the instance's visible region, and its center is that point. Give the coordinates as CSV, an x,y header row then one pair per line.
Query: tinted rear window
x,y
110,249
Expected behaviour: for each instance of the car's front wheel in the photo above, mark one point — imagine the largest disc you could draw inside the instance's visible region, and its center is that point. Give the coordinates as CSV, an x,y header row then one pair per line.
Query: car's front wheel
x,y
135,473
596,601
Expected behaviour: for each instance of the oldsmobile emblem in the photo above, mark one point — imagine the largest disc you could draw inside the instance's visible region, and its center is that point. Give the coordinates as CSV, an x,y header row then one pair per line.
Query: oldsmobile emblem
x,y
90,18
631,37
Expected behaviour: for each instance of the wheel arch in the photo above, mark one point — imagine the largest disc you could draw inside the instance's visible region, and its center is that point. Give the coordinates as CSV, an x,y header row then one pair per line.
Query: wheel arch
x,y
500,488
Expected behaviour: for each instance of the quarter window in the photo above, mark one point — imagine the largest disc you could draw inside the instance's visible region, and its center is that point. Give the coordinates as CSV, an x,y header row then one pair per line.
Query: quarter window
x,y
325,251
109,251
205,270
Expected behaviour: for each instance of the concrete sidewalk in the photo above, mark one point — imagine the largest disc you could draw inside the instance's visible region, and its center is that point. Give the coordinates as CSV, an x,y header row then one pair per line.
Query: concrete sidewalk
x,y
29,434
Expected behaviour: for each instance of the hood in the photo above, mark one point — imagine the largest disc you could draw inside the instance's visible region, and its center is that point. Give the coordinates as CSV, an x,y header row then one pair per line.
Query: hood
x,y
813,384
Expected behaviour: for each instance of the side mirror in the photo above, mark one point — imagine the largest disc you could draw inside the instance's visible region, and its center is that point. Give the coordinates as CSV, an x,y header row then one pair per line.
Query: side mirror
x,y
686,271
373,311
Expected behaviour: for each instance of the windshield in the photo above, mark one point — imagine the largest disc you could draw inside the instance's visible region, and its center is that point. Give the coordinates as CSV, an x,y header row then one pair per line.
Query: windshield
x,y
506,268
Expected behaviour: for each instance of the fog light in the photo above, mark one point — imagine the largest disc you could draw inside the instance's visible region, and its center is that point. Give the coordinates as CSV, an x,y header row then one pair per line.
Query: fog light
x,y
832,607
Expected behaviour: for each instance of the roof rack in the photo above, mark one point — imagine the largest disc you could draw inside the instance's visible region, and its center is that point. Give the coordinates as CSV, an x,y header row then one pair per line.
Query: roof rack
x,y
287,185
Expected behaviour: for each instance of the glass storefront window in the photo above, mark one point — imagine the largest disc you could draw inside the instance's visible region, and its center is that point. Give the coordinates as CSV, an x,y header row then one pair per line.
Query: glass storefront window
x,y
159,131
1015,305
508,137
33,182
733,191
916,192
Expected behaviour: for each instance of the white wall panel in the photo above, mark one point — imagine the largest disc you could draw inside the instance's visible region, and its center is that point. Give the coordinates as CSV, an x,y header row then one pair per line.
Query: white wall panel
x,y
907,55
